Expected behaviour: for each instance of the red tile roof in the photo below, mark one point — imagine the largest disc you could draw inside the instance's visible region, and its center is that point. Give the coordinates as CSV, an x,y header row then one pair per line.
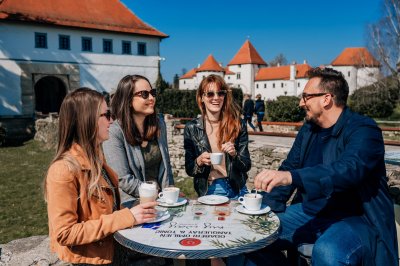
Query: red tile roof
x,y
190,74
228,72
281,72
210,64
247,54
357,56
109,15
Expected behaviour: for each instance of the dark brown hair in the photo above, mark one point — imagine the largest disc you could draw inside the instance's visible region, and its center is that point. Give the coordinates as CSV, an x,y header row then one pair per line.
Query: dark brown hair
x,y
332,82
121,107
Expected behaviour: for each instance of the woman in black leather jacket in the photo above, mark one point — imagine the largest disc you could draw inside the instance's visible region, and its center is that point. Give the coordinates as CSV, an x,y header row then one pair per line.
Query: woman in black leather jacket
x,y
219,129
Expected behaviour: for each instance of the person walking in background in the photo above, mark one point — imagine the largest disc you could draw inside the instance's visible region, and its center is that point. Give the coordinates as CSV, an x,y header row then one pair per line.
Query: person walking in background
x,y
260,111
83,203
137,148
248,110
337,165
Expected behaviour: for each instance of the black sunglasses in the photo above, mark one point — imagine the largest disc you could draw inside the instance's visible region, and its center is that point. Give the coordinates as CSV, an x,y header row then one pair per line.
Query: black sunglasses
x,y
145,94
307,96
211,94
108,115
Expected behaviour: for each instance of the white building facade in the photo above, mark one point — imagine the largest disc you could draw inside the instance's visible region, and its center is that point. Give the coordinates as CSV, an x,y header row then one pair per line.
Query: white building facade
x,y
40,62
358,66
289,80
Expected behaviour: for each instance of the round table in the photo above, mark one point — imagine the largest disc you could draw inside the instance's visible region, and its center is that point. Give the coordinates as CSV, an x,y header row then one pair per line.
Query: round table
x,y
198,231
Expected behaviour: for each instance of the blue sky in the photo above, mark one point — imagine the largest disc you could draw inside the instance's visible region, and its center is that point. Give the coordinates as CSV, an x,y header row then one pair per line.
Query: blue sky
x,y
314,30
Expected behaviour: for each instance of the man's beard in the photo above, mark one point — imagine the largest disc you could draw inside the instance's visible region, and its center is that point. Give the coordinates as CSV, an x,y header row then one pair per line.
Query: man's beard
x,y
313,118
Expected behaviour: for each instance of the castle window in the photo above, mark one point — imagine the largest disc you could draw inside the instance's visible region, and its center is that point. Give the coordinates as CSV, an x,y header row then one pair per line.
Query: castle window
x,y
126,47
238,76
348,73
141,47
86,44
64,42
40,40
107,46
265,85
273,85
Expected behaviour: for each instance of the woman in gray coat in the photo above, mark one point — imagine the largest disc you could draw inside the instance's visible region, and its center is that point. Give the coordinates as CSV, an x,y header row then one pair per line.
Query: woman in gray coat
x,y
137,147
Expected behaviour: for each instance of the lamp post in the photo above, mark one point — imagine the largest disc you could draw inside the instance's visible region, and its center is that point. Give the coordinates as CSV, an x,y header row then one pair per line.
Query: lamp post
x,y
159,82
159,64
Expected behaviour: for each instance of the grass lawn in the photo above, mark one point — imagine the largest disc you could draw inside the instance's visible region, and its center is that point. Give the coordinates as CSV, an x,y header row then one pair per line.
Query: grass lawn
x,y
22,208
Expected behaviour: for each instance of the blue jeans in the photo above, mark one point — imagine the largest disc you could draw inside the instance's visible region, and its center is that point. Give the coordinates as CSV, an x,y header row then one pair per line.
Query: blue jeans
x,y
222,187
337,242
260,117
250,122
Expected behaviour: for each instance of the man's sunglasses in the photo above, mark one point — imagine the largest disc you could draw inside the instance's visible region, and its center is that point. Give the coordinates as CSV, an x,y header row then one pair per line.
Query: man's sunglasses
x,y
211,94
145,94
108,115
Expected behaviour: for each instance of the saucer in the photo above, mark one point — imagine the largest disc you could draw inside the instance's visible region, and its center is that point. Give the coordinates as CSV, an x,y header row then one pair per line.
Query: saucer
x,y
213,199
180,202
160,218
264,209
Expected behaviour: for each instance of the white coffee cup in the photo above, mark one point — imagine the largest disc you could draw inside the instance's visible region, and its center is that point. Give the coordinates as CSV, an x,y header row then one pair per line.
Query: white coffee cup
x,y
148,191
216,157
169,195
251,201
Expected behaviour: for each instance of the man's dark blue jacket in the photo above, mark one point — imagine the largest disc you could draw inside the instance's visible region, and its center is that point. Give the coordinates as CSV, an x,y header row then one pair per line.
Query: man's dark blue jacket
x,y
353,160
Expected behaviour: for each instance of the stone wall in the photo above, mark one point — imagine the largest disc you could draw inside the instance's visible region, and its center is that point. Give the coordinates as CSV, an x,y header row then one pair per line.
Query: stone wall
x,y
47,131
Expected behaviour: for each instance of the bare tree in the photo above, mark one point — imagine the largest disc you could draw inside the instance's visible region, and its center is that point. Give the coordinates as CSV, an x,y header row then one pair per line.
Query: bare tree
x,y
280,60
385,36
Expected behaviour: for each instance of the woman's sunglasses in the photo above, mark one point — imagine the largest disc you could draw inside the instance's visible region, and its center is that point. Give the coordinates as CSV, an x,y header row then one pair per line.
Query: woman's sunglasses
x,y
211,94
108,115
145,94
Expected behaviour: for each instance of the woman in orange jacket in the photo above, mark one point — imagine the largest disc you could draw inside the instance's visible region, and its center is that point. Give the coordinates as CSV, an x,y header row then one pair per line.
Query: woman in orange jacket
x,y
81,191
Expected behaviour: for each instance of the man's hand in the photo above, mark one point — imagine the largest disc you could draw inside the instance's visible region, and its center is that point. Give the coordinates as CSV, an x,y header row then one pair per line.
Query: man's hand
x,y
268,179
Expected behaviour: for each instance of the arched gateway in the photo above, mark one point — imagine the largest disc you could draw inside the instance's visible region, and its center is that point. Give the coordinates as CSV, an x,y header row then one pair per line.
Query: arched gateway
x,y
49,94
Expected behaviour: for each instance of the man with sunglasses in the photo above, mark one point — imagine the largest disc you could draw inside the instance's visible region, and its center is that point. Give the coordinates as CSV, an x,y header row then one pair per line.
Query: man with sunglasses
x,y
336,164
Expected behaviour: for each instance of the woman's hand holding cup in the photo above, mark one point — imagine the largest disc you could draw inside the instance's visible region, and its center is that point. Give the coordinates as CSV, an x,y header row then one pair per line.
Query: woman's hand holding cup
x,y
144,212
203,159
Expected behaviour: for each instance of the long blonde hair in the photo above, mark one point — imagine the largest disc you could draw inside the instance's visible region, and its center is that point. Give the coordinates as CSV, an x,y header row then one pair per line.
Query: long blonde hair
x,y
78,117
230,113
